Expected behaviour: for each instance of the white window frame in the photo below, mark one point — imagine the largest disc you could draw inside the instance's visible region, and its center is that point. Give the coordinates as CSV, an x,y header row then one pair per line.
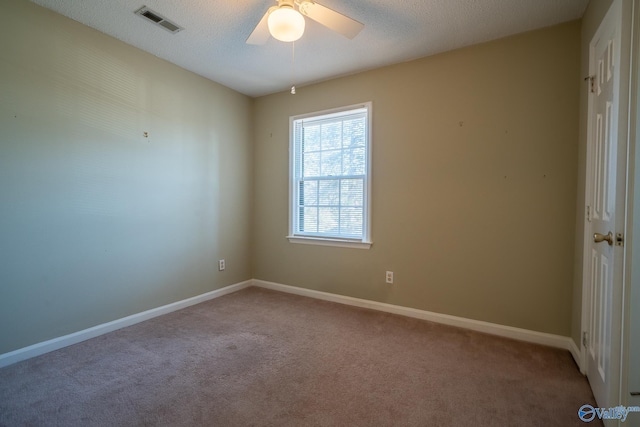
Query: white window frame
x,y
365,242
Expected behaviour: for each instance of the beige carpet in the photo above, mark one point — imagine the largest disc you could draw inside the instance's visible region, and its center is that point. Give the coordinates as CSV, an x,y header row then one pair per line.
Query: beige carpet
x,y
264,358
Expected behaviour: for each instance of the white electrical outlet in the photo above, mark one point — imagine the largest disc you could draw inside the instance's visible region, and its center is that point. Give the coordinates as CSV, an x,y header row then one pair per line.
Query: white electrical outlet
x,y
221,265
389,276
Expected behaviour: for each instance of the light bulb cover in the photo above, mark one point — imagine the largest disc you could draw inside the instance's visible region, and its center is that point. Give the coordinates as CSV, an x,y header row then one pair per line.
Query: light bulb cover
x,y
286,24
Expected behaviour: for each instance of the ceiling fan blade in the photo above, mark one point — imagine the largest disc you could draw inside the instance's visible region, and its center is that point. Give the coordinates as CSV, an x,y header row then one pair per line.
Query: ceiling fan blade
x,y
331,19
261,34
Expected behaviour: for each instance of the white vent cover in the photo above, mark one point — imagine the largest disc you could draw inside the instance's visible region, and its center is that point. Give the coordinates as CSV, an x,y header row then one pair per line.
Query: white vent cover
x,y
155,18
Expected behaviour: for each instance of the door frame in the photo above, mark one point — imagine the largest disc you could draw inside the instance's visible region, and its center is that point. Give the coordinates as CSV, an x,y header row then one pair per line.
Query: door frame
x,y
623,198
631,290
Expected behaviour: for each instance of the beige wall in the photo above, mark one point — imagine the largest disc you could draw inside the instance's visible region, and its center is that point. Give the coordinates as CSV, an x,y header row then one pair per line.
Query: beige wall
x,y
97,222
474,183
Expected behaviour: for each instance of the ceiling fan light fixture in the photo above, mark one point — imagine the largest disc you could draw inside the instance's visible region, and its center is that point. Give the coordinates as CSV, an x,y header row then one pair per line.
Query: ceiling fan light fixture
x,y
286,24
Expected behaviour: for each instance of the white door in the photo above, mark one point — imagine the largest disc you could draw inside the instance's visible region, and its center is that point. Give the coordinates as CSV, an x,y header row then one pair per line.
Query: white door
x,y
603,257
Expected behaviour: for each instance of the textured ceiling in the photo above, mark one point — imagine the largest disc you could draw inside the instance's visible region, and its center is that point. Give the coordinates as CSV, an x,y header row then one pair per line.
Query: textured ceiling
x,y
212,43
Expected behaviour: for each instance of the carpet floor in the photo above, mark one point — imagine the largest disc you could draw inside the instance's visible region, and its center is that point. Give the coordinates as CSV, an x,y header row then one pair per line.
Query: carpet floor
x,y
264,358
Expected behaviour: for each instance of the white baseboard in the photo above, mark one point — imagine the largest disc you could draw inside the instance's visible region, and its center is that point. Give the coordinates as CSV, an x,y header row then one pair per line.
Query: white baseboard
x,y
576,353
76,337
550,340
38,349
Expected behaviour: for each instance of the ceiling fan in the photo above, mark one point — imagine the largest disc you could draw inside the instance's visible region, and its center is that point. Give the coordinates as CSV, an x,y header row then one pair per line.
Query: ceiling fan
x,y
285,22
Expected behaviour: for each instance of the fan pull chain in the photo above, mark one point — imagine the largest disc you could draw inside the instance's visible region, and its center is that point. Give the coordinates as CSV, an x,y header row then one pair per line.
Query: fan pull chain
x,y
293,67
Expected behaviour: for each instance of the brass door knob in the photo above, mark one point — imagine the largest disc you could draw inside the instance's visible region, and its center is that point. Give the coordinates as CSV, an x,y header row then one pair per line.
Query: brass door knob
x,y
597,238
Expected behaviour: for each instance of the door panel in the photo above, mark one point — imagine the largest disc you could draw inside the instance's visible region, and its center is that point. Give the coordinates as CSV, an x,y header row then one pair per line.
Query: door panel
x,y
603,149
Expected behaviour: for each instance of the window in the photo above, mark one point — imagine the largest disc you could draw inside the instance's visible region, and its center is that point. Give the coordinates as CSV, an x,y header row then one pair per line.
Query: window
x,y
330,156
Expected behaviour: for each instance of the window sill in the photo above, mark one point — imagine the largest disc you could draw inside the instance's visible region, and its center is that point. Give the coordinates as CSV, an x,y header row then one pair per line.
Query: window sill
x,y
329,242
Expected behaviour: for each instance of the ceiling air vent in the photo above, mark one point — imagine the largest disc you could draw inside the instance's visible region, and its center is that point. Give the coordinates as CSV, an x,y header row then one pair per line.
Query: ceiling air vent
x,y
156,18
